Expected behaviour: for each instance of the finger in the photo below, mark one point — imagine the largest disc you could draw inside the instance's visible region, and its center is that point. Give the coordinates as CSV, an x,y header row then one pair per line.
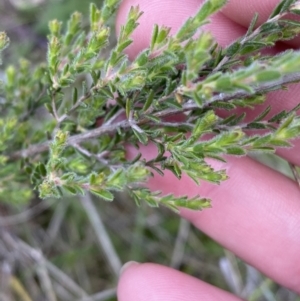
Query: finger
x,y
149,282
255,214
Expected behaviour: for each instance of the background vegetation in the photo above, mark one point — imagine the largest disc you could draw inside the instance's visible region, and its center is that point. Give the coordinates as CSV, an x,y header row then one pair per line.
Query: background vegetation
x,y
72,249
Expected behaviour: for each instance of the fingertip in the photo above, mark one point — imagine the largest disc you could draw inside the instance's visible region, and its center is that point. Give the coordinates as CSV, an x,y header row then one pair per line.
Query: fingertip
x,y
128,281
127,266
149,282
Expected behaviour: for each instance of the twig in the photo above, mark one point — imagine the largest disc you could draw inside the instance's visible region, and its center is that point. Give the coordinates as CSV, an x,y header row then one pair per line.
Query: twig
x,y
43,275
25,216
181,239
102,296
61,292
114,117
230,270
75,106
56,221
76,139
5,276
263,291
21,248
18,288
85,152
248,38
42,272
65,280
103,238
95,133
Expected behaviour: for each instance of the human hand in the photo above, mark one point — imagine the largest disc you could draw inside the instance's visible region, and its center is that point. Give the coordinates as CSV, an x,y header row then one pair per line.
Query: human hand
x,y
256,213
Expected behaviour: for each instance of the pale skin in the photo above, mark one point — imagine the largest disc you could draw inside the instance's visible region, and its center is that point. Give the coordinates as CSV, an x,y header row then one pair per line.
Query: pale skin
x,y
256,213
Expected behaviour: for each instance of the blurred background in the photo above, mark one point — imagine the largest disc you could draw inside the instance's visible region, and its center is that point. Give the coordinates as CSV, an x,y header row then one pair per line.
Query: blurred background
x,y
72,249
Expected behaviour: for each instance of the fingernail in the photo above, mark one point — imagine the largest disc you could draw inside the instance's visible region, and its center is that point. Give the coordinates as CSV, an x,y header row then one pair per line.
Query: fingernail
x,y
127,265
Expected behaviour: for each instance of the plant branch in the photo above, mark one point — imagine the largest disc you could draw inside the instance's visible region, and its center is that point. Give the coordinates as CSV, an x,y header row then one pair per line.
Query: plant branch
x,y
75,106
43,275
248,38
85,152
190,105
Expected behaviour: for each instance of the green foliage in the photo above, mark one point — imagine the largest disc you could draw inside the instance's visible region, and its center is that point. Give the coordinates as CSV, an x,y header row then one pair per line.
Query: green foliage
x,y
65,123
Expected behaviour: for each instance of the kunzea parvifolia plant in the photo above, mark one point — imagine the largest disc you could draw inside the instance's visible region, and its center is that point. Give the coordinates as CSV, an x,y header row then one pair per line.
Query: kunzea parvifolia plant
x,y
65,123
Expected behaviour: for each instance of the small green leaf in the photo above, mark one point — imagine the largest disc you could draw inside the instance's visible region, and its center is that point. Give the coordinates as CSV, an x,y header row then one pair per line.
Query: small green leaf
x,y
74,95
123,45
162,34
287,122
143,58
104,194
224,83
154,36
175,169
223,105
70,189
190,26
141,135
281,7
280,143
278,117
235,150
117,180
252,24
137,173
204,124
267,75
157,170
196,203
263,114
148,101
28,170
233,49
42,169
256,125
263,149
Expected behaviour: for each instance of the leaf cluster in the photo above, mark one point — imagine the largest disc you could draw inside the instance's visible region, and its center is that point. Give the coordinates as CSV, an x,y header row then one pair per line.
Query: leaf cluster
x,y
66,123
